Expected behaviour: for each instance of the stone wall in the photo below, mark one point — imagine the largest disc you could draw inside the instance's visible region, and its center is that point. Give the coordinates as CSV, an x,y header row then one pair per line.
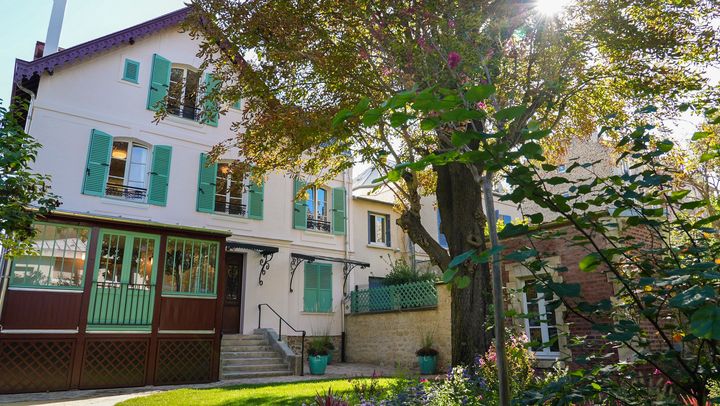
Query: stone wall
x,y
294,343
391,338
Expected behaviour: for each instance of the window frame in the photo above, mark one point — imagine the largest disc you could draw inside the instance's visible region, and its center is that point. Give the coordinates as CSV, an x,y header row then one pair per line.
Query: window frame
x,y
131,142
387,242
243,197
312,215
23,286
183,92
213,295
544,327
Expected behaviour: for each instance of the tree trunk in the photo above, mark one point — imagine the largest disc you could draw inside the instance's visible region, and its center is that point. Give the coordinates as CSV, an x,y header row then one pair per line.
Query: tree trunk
x,y
459,198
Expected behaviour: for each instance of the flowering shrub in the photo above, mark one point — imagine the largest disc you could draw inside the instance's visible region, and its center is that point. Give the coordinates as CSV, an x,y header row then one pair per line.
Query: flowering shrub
x,y
520,365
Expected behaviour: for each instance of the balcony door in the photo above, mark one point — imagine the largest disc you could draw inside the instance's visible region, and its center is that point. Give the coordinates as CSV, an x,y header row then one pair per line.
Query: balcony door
x,y
123,289
232,311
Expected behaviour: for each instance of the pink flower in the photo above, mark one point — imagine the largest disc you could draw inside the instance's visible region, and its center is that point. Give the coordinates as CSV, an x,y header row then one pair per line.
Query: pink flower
x,y
451,23
453,59
656,372
480,106
423,380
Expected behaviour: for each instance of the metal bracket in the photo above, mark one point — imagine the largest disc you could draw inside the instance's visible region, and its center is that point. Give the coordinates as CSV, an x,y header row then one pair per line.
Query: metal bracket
x,y
264,265
347,268
295,261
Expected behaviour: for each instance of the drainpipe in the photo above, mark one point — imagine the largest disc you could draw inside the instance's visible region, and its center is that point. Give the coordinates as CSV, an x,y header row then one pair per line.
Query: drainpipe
x,y
347,185
31,106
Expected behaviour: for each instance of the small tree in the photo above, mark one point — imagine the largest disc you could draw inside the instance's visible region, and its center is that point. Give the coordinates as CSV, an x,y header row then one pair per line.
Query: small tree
x,y
24,194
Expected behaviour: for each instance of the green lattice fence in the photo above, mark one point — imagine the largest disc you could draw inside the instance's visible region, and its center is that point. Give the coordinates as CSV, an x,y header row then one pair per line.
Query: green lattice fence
x,y
407,296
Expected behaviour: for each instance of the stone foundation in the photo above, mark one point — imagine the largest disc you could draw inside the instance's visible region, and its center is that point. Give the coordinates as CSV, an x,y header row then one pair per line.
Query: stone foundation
x,y
294,343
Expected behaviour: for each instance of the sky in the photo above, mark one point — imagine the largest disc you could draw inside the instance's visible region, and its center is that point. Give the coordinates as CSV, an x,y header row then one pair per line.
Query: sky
x,y
22,22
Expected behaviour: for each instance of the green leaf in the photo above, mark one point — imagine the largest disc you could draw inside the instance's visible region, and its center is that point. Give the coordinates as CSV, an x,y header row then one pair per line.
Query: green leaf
x,y
565,289
700,135
693,297
460,258
536,218
486,255
460,139
398,119
448,275
590,262
521,255
429,124
678,195
393,175
705,322
596,386
512,230
372,116
510,113
707,156
463,282
341,116
648,109
478,93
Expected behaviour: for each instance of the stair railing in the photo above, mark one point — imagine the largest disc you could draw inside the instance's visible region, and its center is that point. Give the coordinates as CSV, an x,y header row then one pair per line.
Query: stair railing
x,y
281,320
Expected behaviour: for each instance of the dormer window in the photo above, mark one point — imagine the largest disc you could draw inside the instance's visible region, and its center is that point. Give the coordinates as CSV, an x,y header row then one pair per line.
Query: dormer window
x,y
229,187
183,93
128,171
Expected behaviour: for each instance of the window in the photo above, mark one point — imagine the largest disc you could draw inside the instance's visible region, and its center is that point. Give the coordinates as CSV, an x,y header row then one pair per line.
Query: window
x,y
378,229
504,217
229,187
131,71
376,282
318,288
190,267
128,171
60,259
541,325
183,93
317,209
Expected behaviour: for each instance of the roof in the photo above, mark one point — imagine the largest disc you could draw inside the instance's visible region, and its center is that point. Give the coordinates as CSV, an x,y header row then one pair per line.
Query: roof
x,y
25,70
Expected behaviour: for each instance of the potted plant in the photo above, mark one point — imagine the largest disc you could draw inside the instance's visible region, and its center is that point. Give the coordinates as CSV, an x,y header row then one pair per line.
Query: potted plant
x,y
427,356
329,346
317,357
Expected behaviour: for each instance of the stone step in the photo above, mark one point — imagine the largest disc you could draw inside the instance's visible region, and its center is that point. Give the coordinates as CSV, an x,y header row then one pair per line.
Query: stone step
x,y
244,342
243,337
247,354
254,368
251,361
245,348
262,374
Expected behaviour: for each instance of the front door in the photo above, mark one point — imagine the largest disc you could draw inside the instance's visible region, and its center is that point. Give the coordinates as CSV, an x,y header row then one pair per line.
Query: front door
x,y
233,293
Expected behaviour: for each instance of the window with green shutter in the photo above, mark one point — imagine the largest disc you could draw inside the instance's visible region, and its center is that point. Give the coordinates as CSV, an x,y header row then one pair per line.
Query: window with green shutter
x,y
131,71
206,185
159,175
300,207
317,295
339,210
98,163
256,200
159,82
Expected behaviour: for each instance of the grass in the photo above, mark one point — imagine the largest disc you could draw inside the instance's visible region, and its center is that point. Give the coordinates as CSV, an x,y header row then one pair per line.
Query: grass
x,y
292,393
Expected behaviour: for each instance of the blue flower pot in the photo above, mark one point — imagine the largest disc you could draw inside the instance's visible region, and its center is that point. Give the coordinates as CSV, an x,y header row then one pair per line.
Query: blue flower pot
x,y
428,364
317,363
329,357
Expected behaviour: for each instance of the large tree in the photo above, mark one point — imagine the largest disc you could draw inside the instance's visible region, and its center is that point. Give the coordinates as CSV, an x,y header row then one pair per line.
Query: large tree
x,y
296,64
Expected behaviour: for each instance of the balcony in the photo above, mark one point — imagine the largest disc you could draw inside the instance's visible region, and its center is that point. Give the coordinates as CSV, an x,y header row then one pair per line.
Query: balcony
x,y
125,192
189,112
235,209
318,224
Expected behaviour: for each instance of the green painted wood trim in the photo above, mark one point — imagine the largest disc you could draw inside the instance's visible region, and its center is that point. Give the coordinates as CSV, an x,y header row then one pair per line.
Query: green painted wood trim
x,y
159,82
217,270
131,71
299,207
206,186
339,199
256,200
160,175
98,163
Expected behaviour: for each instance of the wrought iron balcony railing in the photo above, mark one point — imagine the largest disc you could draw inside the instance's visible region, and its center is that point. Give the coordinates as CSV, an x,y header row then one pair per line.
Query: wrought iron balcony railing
x,y
189,112
236,209
126,192
319,224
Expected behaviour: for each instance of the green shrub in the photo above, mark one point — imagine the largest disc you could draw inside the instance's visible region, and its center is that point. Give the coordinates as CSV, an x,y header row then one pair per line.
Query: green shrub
x,y
401,273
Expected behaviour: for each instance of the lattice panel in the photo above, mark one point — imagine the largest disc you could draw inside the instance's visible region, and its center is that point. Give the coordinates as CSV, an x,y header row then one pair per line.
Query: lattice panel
x,y
184,361
114,363
35,365
407,296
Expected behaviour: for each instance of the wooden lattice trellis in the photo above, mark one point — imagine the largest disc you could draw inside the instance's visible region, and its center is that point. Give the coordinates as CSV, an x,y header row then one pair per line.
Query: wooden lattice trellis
x,y
35,365
396,297
184,361
114,363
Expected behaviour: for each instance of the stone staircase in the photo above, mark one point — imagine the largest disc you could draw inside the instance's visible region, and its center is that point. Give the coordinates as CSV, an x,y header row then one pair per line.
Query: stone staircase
x,y
250,356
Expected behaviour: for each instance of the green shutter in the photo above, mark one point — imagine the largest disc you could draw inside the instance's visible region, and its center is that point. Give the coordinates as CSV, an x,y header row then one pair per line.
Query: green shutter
x,y
299,207
159,175
98,163
310,289
338,219
256,200
206,186
131,71
159,82
324,288
211,108
388,242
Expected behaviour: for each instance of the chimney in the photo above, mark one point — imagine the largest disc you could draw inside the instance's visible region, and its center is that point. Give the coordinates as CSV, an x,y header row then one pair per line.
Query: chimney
x,y
53,33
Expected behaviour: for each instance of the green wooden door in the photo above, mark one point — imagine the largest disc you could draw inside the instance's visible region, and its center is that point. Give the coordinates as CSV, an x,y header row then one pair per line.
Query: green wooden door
x,y
123,290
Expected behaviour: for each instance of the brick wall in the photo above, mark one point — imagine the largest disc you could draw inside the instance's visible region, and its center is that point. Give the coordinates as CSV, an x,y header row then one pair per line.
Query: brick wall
x,y
391,338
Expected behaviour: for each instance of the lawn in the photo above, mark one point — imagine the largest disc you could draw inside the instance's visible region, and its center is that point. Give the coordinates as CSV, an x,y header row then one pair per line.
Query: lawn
x,y
293,393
